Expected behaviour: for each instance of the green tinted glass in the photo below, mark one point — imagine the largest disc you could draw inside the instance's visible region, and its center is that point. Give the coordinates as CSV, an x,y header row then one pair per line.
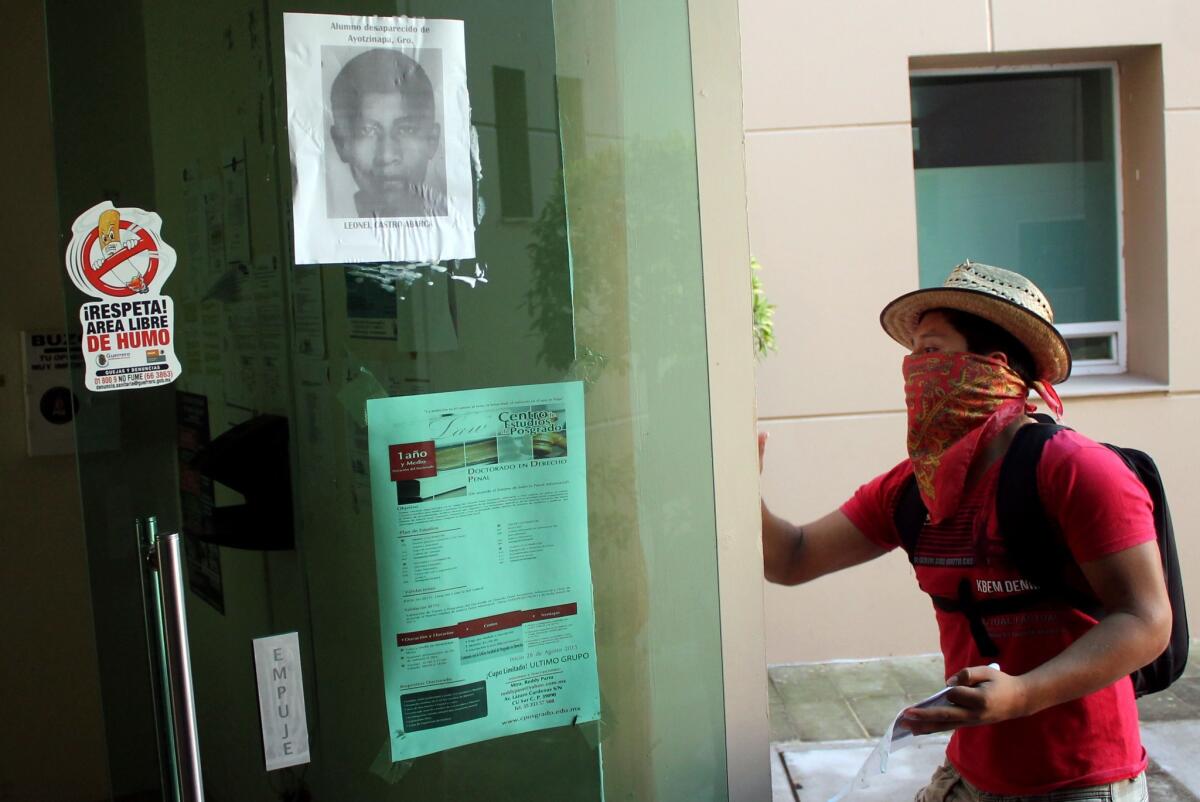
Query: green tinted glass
x,y
1091,348
587,269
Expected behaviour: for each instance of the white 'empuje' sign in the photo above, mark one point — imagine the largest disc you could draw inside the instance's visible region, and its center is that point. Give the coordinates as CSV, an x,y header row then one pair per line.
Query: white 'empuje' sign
x,y
281,700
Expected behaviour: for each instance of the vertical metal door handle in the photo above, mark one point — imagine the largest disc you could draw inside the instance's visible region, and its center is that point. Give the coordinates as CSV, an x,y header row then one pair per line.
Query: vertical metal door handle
x,y
179,666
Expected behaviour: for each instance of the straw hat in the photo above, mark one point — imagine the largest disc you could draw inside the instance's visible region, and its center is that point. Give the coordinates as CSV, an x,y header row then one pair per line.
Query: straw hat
x,y
1007,299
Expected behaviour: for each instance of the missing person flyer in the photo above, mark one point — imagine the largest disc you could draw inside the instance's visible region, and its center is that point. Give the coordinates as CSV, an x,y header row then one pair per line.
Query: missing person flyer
x,y
485,587
379,128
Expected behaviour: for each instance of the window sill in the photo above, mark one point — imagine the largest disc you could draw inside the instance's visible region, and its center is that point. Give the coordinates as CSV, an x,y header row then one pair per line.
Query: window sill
x,y
1110,384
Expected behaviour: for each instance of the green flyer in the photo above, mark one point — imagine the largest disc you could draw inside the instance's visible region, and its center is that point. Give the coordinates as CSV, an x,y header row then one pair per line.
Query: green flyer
x,y
485,590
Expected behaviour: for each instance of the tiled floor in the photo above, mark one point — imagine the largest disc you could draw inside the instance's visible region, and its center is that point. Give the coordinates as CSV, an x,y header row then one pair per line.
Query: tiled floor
x,y
847,700
813,704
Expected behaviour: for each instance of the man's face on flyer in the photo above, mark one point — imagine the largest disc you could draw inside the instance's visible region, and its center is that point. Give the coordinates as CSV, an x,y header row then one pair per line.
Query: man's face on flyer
x,y
388,146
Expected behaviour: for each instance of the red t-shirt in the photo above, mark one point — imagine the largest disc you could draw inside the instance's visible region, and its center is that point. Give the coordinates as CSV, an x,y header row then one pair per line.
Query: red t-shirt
x,y
1101,508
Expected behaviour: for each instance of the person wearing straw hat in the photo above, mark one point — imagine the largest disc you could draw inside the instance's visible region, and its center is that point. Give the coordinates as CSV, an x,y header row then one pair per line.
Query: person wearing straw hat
x,y
1059,715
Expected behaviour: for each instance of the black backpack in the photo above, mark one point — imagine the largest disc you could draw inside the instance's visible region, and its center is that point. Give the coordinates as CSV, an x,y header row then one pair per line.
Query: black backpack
x,y
1042,557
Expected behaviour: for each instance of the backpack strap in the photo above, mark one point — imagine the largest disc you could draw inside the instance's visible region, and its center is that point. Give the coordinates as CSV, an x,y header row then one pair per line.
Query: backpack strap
x,y
1034,542
1023,522
974,611
910,516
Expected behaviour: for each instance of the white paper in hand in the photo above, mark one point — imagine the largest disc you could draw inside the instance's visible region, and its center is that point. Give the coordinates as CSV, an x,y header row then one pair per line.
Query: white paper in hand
x,y
895,737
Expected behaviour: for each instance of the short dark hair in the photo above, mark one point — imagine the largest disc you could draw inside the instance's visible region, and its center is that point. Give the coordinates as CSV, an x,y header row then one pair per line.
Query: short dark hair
x,y
376,72
985,337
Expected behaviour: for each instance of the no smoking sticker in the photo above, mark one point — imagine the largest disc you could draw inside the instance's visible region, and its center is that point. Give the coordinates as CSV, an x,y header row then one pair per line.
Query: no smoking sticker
x,y
119,257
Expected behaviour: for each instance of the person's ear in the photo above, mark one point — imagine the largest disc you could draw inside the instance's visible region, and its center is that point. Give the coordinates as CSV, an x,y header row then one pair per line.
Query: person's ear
x,y
999,356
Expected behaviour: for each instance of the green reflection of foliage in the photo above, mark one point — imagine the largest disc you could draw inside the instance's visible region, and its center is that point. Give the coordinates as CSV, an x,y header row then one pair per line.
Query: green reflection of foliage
x,y
614,215
549,295
763,312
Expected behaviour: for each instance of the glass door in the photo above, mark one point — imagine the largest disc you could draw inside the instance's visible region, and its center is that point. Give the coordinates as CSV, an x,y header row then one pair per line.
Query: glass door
x,y
552,278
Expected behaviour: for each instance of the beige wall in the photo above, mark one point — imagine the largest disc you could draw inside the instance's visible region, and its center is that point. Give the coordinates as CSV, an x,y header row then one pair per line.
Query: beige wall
x,y
51,744
717,93
833,219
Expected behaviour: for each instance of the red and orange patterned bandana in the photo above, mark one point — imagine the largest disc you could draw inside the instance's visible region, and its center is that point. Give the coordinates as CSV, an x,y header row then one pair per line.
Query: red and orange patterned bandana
x,y
957,402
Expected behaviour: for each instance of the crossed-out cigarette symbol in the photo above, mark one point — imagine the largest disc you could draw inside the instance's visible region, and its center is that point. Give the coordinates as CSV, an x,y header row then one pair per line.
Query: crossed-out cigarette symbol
x,y
117,253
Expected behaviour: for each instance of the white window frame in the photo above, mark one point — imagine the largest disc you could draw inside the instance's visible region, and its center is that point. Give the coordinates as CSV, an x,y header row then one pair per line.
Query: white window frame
x,y
1116,330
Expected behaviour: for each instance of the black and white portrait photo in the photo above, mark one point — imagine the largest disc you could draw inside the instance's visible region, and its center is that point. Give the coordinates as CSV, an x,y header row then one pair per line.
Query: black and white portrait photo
x,y
384,156
380,140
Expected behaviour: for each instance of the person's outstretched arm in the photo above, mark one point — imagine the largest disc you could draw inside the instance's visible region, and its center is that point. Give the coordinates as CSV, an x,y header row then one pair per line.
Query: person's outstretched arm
x,y
793,554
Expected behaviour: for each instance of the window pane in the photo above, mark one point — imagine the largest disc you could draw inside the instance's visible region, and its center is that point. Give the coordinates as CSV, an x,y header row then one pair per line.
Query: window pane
x,y
1091,347
1019,170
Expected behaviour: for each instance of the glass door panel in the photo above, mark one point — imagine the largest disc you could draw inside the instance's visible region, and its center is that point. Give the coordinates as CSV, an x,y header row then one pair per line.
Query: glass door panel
x,y
587,269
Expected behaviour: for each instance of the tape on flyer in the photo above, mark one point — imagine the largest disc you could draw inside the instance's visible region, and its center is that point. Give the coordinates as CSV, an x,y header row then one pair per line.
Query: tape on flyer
x,y
593,732
354,395
383,767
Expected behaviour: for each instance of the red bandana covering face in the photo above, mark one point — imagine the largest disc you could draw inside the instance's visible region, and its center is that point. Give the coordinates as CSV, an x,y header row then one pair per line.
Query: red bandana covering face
x,y
957,402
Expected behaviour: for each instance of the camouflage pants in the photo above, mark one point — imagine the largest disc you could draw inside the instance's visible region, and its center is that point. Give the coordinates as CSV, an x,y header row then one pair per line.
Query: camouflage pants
x,y
947,785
